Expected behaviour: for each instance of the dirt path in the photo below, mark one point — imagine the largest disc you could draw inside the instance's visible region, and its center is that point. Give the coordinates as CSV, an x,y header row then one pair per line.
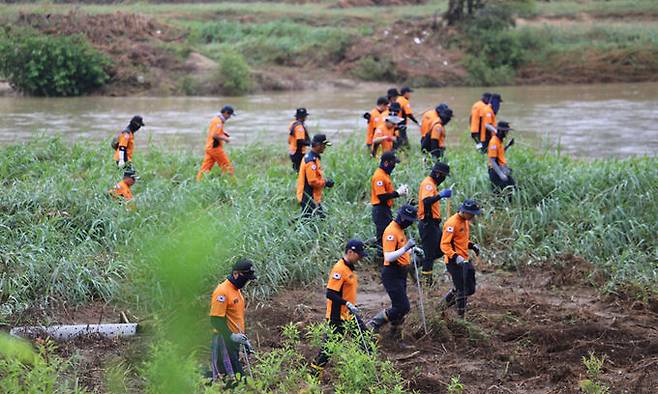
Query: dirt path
x,y
525,333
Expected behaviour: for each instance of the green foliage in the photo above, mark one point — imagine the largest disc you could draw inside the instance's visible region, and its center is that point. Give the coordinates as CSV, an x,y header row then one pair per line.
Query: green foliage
x,y
24,371
281,41
371,68
594,365
43,65
455,386
233,74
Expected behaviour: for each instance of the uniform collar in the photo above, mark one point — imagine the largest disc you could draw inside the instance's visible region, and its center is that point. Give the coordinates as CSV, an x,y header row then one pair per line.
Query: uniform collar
x,y
220,116
348,265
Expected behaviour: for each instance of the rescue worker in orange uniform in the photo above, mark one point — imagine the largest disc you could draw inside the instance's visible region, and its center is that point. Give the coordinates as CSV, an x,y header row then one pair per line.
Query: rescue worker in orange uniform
x,y
227,320
217,137
429,217
426,122
499,173
124,143
374,118
382,194
407,114
298,138
489,123
341,292
455,243
435,139
385,135
122,189
477,112
397,259
311,181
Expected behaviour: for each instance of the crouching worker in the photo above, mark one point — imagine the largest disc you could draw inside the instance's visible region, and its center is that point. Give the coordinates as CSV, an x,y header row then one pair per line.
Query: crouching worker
x,y
455,243
121,190
227,320
341,296
397,257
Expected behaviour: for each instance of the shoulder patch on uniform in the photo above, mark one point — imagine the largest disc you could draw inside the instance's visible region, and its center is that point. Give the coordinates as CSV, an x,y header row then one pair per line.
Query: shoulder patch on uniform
x,y
380,183
390,238
335,275
428,187
450,229
488,114
221,298
314,167
492,147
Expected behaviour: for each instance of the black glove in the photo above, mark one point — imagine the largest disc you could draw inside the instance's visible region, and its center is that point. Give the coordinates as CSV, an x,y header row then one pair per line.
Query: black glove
x,y
366,116
510,143
475,248
329,183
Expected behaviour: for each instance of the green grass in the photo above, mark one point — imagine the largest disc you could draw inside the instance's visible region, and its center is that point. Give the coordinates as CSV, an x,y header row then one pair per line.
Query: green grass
x,y
570,8
65,241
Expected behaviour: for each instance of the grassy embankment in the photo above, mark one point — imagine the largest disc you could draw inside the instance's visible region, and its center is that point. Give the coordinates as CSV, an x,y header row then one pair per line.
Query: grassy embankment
x,y
65,243
557,42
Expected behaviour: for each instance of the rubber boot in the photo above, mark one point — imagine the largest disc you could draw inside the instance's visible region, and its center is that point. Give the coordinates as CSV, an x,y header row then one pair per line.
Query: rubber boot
x,y
461,304
447,301
377,321
396,333
317,370
427,280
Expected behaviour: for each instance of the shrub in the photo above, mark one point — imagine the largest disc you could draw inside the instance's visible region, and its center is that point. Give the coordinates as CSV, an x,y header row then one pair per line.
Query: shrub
x,y
43,65
233,74
374,68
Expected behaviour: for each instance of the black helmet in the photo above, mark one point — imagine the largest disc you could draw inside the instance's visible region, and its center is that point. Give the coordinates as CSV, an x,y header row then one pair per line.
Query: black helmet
x,y
408,213
227,109
135,123
392,92
246,268
406,89
301,113
486,97
382,100
470,206
441,168
504,126
444,112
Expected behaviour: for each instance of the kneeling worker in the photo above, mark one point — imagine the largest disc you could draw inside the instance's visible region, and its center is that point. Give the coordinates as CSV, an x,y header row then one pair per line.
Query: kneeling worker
x,y
429,217
227,320
122,189
342,286
397,258
455,243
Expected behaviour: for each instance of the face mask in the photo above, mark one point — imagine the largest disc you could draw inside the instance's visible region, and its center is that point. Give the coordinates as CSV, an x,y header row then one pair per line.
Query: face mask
x,y
445,119
404,223
239,282
495,105
388,168
438,177
134,127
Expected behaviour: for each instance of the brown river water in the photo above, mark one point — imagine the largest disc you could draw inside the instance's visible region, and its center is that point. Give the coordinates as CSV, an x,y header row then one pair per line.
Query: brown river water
x,y
589,121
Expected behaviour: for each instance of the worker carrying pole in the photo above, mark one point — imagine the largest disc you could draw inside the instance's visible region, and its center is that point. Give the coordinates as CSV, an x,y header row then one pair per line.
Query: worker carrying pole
x,y
311,181
382,194
429,217
341,293
217,137
397,259
298,138
455,243
227,307
124,143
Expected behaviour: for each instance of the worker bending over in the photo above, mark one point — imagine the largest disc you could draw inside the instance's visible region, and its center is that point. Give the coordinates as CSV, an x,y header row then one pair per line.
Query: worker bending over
x,y
122,190
435,139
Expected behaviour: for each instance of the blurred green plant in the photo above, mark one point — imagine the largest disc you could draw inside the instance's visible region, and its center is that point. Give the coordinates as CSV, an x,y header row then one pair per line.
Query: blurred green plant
x,y
45,65
233,75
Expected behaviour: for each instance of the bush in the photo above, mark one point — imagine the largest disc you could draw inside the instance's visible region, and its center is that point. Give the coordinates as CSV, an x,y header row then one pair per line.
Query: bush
x,y
233,74
373,68
42,65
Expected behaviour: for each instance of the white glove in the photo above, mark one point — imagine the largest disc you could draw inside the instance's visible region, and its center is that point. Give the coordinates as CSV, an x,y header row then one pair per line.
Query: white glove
x,y
478,146
121,164
403,190
410,244
459,260
240,338
352,308
248,348
419,252
503,177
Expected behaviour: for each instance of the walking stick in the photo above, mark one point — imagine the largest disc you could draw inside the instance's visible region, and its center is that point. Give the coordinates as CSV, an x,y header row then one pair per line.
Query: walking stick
x,y
363,341
420,295
246,358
